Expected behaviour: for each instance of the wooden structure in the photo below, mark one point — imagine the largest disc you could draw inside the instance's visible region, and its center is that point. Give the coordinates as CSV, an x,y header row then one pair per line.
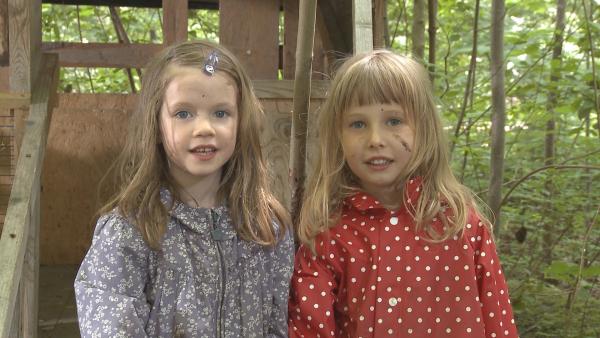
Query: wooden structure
x,y
50,213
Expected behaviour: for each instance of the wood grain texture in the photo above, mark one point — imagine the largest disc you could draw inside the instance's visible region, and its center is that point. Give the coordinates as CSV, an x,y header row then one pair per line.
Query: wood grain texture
x,y
3,33
86,135
175,20
250,29
21,219
362,17
19,29
74,54
14,100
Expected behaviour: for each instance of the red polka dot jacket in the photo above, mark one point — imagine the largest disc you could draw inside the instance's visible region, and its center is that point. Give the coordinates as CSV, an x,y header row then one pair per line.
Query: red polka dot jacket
x,y
374,276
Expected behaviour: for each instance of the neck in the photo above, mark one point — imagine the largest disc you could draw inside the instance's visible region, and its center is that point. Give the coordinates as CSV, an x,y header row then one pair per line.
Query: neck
x,y
200,194
391,198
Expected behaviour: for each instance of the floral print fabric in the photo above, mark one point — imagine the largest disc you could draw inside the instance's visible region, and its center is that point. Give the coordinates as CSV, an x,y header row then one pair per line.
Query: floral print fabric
x,y
204,282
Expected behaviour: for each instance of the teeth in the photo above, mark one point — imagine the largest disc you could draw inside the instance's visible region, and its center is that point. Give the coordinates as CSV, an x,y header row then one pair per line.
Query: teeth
x,y
379,162
204,150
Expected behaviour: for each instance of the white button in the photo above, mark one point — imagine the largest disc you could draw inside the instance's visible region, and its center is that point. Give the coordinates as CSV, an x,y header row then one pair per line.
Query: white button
x,y
394,220
393,301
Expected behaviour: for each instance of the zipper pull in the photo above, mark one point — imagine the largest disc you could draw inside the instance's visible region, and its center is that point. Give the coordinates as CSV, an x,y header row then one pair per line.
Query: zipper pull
x,y
216,233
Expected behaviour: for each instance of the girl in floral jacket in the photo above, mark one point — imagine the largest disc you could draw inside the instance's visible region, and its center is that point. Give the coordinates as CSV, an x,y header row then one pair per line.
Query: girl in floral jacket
x,y
193,244
392,244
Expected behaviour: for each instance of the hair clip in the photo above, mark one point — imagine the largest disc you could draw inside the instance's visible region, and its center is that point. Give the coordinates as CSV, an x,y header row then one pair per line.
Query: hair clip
x,y
210,64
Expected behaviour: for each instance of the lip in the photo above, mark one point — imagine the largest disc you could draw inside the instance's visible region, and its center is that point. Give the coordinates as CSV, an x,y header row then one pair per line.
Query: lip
x,y
204,152
379,163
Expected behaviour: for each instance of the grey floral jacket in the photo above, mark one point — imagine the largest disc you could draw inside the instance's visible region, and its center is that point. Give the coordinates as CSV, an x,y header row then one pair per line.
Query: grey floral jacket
x,y
204,282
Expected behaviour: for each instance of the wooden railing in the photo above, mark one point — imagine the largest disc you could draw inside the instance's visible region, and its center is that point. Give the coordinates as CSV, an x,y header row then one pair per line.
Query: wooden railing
x,y
19,244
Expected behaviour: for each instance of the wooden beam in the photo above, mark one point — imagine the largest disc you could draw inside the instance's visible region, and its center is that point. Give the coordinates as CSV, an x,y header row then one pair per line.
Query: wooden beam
x,y
284,89
192,4
3,33
22,220
73,54
290,35
250,30
175,20
362,27
14,101
24,22
380,23
335,26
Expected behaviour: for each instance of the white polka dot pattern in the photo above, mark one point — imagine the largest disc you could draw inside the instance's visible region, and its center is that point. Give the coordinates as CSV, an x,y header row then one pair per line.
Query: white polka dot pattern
x,y
373,276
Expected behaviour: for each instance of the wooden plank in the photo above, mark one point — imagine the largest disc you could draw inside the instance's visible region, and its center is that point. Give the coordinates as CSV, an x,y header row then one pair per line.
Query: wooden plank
x,y
290,36
31,267
193,4
380,23
250,29
14,100
175,20
334,19
19,22
115,55
4,82
284,89
87,132
362,28
3,33
18,222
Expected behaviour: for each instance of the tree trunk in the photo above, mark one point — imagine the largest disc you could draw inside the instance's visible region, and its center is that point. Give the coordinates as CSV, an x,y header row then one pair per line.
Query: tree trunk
x,y
306,35
498,112
549,146
380,23
432,15
418,29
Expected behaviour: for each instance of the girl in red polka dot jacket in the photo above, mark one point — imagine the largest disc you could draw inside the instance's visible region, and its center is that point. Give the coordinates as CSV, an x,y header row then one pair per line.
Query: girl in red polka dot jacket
x,y
404,250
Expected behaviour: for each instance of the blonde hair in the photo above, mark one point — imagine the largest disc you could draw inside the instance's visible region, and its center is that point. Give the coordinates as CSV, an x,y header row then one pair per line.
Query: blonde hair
x,y
141,170
385,77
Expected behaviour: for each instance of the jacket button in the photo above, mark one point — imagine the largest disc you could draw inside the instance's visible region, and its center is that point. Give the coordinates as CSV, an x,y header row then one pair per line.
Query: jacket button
x,y
393,301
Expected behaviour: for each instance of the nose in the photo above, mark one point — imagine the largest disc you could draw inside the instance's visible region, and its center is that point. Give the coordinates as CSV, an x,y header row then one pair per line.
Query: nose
x,y
203,126
375,138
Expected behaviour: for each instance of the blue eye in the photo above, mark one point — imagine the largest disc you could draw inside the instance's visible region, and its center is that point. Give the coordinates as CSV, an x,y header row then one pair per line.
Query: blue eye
x,y
183,114
394,122
221,114
357,124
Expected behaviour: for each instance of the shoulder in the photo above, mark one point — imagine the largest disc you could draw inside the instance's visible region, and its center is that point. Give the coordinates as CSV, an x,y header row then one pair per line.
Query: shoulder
x,y
477,230
116,230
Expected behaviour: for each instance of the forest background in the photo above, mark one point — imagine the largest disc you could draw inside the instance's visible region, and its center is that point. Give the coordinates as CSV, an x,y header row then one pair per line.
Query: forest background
x,y
546,185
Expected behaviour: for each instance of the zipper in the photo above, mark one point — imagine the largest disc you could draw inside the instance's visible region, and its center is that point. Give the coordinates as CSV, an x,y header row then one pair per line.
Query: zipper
x,y
218,235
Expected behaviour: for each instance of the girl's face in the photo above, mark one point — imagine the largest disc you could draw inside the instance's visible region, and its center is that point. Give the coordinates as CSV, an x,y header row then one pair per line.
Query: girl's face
x,y
198,119
377,142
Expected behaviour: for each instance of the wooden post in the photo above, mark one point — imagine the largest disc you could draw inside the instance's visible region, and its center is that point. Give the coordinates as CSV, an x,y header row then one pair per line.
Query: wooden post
x,y
19,241
3,33
175,19
362,26
250,30
380,35
306,35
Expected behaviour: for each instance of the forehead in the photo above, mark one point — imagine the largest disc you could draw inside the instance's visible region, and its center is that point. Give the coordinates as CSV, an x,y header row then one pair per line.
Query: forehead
x,y
193,82
375,110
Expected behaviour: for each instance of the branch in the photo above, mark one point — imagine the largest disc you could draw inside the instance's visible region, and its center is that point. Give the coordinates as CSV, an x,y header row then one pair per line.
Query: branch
x,y
552,166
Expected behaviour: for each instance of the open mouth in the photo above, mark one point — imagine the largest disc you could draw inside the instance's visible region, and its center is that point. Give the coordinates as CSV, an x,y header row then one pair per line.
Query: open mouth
x,y
204,150
379,162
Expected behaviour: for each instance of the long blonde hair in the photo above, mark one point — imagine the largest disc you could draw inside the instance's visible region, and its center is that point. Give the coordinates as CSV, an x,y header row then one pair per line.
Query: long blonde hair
x,y
384,77
141,169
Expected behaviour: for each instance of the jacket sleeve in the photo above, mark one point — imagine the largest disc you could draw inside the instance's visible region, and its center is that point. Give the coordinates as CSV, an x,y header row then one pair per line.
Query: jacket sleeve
x,y
109,287
282,271
493,291
313,293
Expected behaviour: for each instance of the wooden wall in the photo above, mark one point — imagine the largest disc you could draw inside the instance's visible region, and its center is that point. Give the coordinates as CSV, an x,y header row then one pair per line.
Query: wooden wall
x,y
86,133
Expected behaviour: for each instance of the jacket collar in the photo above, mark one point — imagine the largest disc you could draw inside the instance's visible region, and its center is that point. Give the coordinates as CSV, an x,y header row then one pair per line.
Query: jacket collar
x,y
363,201
200,220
